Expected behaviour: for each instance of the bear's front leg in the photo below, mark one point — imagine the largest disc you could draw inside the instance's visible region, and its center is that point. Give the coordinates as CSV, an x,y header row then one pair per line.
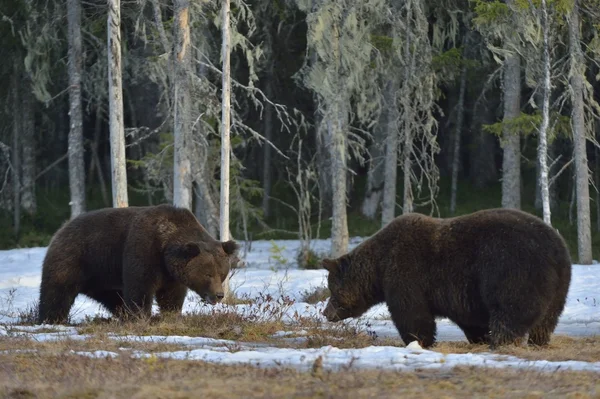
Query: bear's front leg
x,y
138,294
170,297
413,320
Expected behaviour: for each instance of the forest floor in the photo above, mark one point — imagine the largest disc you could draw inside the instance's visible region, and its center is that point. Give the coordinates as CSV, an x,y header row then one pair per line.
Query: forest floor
x,y
272,341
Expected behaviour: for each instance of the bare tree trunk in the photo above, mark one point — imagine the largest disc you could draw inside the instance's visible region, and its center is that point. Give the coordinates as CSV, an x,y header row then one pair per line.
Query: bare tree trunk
x,y
407,202
577,76
597,180
182,176
76,160
460,111
159,25
96,158
407,206
377,151
28,200
115,95
267,147
375,175
206,208
339,228
388,208
16,162
225,131
543,138
268,124
511,163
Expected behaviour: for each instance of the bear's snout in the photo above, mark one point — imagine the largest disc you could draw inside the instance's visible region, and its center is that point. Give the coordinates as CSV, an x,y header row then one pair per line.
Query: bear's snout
x,y
220,296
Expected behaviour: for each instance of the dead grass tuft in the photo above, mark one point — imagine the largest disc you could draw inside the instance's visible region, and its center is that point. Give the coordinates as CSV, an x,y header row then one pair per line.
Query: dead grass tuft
x,y
220,325
317,295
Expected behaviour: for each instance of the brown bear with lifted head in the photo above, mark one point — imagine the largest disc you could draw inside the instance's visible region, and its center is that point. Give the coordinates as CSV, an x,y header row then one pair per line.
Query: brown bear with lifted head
x,y
126,257
498,274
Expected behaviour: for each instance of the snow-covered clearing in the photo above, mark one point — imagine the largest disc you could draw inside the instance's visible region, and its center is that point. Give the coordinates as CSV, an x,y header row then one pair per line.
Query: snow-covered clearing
x,y
270,271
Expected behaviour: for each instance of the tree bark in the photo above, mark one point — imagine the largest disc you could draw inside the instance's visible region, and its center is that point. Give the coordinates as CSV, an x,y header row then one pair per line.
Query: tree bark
x,y
388,208
584,235
543,137
511,162
28,199
377,151
76,160
460,111
267,147
225,132
182,176
96,158
268,124
16,162
339,228
115,93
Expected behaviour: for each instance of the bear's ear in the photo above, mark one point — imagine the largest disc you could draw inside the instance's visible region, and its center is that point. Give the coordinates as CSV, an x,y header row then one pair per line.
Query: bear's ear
x,y
230,247
330,265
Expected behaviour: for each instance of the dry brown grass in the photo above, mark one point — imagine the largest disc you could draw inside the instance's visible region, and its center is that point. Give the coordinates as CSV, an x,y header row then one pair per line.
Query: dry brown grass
x,y
318,294
51,375
99,342
561,348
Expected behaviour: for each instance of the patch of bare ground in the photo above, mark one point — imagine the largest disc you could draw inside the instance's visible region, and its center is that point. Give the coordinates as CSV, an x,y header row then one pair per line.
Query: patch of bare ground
x,y
561,348
49,375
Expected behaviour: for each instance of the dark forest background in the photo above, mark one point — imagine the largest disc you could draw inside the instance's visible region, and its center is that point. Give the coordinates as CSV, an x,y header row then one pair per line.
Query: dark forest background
x,y
444,98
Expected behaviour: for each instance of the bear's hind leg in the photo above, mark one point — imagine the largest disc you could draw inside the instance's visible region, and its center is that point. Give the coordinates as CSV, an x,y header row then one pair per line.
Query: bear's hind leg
x,y
171,297
55,302
540,334
112,300
476,334
507,328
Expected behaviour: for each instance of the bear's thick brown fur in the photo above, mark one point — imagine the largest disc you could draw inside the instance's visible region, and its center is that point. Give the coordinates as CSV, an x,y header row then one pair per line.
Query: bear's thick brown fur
x,y
498,274
126,257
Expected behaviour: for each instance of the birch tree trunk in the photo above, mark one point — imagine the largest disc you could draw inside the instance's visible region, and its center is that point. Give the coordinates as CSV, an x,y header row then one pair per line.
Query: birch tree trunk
x,y
388,208
182,175
225,131
543,138
584,235
460,112
115,98
28,200
76,160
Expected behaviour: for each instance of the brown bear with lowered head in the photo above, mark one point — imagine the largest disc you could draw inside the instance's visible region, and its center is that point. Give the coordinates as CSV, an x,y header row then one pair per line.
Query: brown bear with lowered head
x,y
126,257
498,274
